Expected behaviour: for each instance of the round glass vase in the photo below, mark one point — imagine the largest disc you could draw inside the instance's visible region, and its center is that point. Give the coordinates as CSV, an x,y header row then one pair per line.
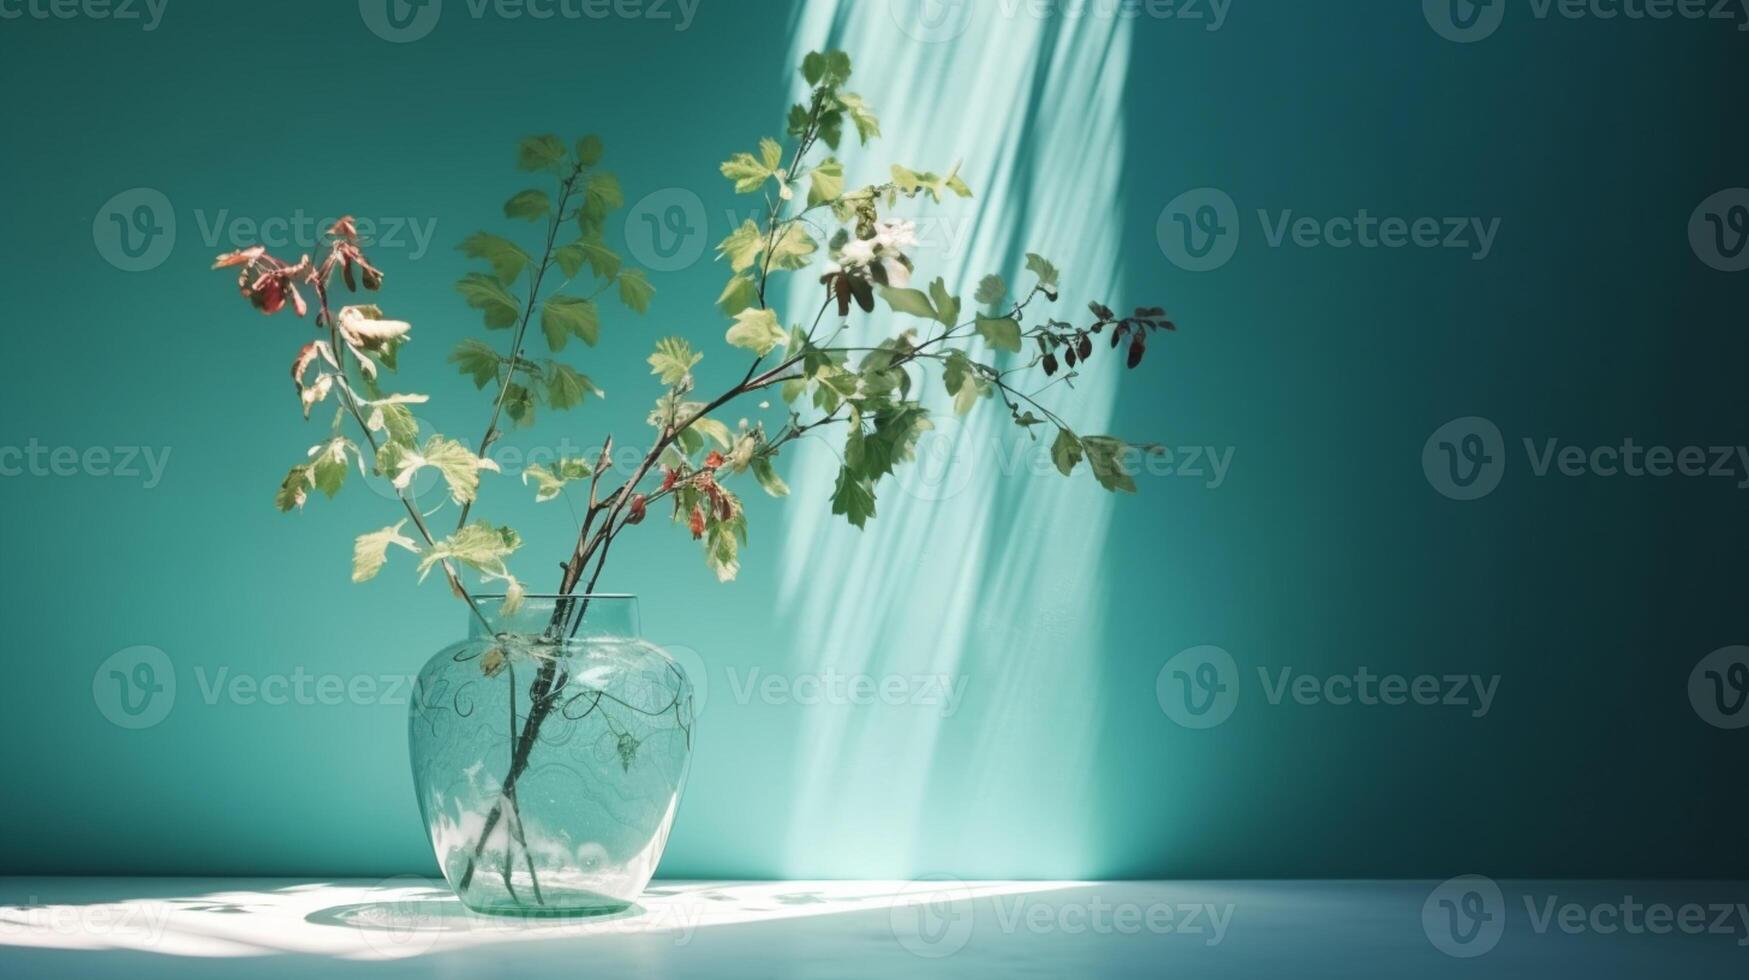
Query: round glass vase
x,y
549,749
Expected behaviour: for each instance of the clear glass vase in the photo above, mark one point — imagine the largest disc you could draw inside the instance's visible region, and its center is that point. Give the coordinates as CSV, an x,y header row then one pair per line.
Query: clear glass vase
x,y
549,750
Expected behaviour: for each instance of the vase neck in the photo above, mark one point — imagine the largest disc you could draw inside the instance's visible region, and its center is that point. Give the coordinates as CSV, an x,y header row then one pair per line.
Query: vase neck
x,y
554,616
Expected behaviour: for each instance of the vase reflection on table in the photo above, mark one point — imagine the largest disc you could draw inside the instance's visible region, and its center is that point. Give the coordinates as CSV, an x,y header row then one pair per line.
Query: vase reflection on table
x,y
549,753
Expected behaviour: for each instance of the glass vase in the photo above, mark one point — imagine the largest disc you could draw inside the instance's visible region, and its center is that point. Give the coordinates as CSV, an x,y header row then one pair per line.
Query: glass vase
x,y
549,750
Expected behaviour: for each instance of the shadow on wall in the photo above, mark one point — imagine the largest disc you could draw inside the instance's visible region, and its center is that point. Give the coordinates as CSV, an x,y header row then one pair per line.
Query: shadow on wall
x,y
968,589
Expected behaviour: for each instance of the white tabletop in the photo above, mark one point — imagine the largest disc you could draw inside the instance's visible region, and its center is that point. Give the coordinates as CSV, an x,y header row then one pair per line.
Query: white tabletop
x,y
411,926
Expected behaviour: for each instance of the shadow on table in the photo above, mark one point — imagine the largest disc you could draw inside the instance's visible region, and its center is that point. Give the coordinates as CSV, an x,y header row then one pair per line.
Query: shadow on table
x,y
438,910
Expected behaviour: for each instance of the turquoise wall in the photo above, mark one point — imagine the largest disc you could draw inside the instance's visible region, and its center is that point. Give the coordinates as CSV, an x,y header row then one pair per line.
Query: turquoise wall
x,y
1060,744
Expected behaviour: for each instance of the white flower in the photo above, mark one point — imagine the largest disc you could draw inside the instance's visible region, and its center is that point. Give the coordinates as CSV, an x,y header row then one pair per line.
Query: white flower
x,y
897,235
898,275
857,251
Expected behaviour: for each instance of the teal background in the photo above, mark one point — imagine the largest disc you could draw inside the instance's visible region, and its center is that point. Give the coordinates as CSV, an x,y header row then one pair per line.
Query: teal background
x,y
1325,370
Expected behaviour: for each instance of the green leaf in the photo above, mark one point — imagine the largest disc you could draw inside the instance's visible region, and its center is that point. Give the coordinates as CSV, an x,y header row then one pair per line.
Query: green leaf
x,y
529,205
947,307
389,351
370,551
711,429
740,293
506,258
813,67
837,68
294,489
955,370
874,384
392,455
392,416
757,331
967,397
843,382
566,387
867,126
748,173
550,482
826,68
910,301
853,498
771,153
1001,334
897,429
539,152
670,409
476,359
564,316
1046,272
830,127
600,197
519,404
589,150
889,352
1066,451
721,554
484,293
856,454
1105,454
826,183
742,246
479,546
635,291
673,360
602,261
767,476
723,544
793,248
797,121
991,291
963,382
569,258
910,182
459,467
955,184
328,466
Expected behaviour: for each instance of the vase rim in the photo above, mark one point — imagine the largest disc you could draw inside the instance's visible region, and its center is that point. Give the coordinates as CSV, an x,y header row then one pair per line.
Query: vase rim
x,y
555,596
592,613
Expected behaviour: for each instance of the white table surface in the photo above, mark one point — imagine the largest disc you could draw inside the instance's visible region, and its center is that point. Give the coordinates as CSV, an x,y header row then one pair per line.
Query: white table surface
x,y
410,926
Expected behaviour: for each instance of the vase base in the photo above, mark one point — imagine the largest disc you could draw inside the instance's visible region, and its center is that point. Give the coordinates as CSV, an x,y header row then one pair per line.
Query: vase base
x,y
508,910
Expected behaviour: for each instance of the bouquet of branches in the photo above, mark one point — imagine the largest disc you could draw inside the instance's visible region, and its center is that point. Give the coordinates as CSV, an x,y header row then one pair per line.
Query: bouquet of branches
x,y
995,349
